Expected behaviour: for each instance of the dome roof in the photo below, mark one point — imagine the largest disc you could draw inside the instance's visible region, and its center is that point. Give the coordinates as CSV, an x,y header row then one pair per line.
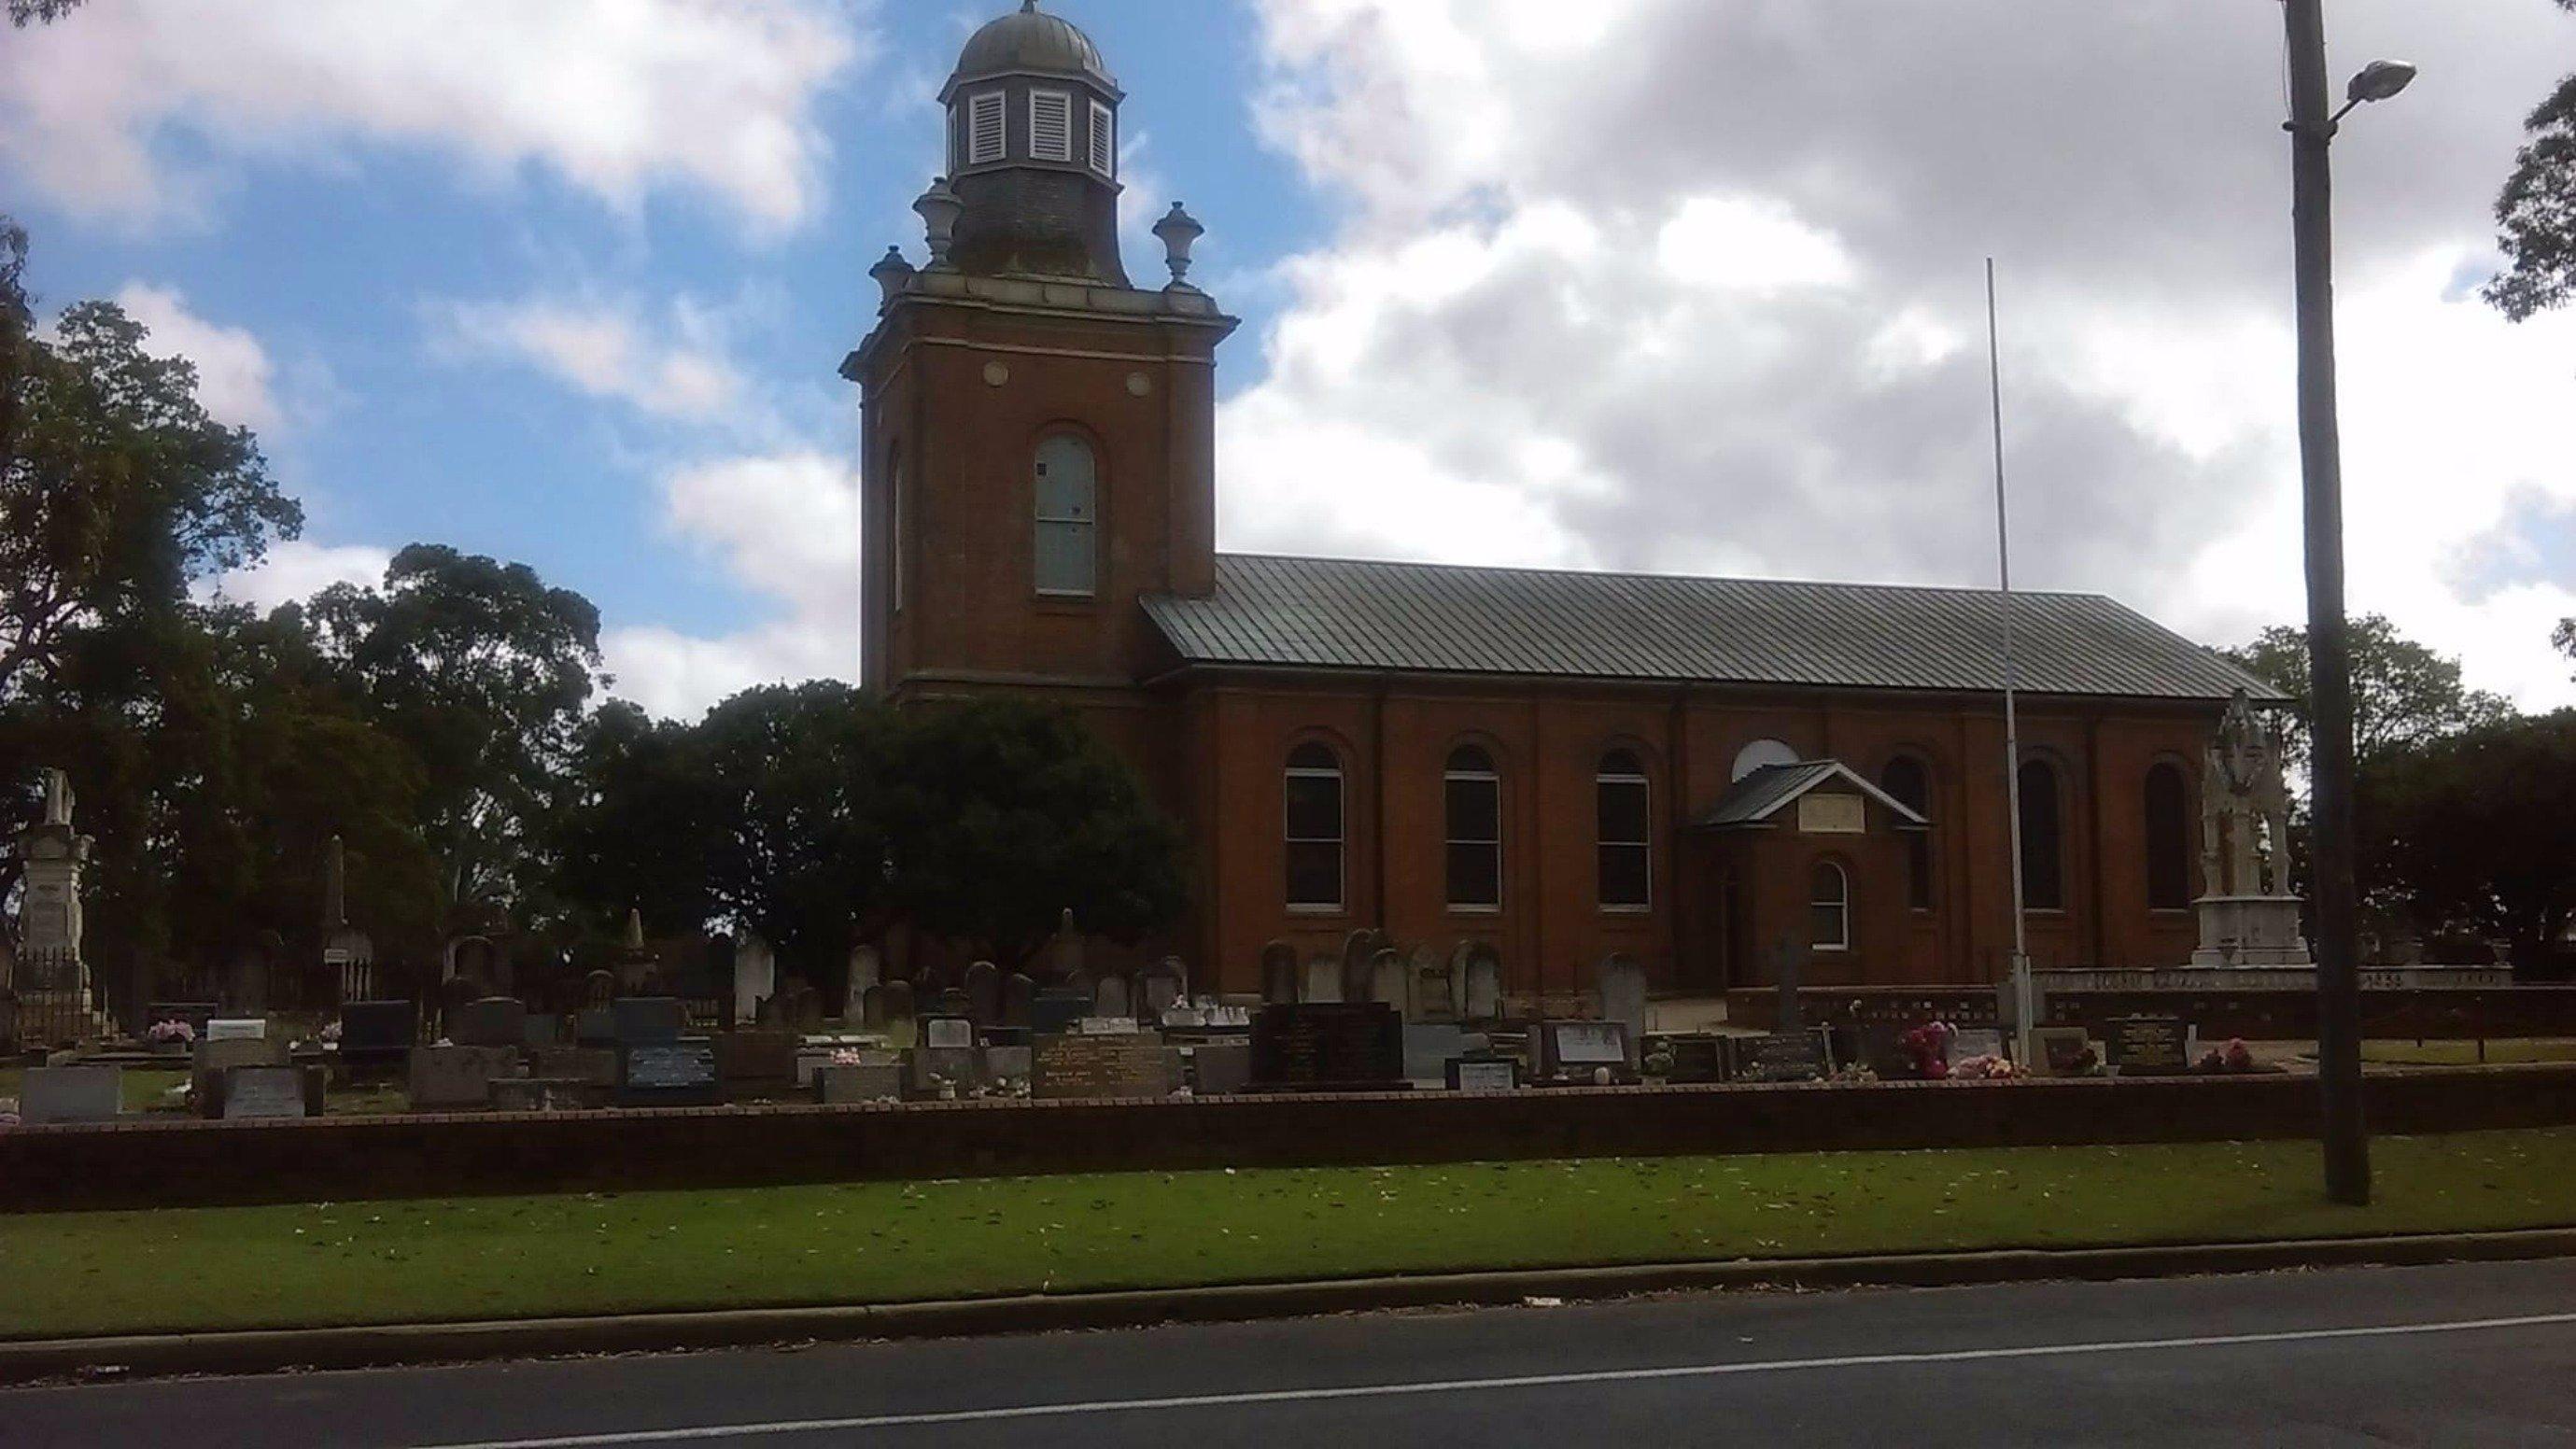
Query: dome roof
x,y
1029,39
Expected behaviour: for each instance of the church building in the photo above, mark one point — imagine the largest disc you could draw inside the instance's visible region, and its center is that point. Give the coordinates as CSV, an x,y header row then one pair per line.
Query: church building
x,y
1690,771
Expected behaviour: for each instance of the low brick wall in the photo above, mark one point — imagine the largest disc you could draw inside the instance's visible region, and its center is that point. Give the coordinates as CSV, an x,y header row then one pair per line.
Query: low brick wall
x,y
2444,1013
179,1163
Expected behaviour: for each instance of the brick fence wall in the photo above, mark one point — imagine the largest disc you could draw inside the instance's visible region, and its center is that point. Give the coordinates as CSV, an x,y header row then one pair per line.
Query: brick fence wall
x,y
181,1163
2447,1013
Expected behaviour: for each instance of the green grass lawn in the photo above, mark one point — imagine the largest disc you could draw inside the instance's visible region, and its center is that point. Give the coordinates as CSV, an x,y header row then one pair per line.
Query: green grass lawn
x,y
74,1273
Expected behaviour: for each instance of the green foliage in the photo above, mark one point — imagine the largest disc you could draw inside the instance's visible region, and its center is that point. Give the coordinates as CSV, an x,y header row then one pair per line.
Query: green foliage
x,y
636,818
2536,211
23,13
2403,694
797,847
2478,830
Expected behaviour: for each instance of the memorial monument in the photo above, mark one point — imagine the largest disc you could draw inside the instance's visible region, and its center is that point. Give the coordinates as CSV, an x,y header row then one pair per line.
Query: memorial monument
x,y
2248,915
348,956
51,978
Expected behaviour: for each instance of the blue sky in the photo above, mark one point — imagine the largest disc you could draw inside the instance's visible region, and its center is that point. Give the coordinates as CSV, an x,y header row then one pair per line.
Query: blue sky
x,y
1664,285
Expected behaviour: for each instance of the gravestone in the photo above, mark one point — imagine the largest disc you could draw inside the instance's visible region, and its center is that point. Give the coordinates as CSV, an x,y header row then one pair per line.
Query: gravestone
x,y
246,984
1431,989
1386,982
1484,982
867,969
235,1028
491,1022
377,1036
1976,1041
1019,995
672,1074
1099,1066
1009,1064
1429,1047
71,1094
866,1082
1783,1056
931,981
756,1061
444,1077
1279,973
1484,1073
984,993
1325,1046
802,1008
1580,1050
1789,1015
253,1094
898,1006
755,977
872,1009
2149,1045
1055,1010
1696,1057
1164,985
959,1068
1323,983
599,988
2059,1051
595,1026
208,1063
1220,1068
594,1067
650,1018
948,1032
951,1001
1359,950
1063,952
1623,998
1109,998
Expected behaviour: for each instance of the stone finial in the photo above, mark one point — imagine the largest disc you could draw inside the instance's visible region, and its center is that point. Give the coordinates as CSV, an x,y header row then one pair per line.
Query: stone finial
x,y
939,209
892,274
1178,231
634,929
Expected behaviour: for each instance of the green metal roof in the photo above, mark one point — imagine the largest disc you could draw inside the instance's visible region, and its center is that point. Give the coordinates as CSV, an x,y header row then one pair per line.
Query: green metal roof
x,y
1269,611
1762,793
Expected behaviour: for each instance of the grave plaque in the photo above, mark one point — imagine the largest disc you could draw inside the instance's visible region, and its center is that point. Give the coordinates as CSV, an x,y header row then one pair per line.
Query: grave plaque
x,y
1220,1068
959,1068
377,1035
872,1082
1327,1046
236,1028
455,1076
1484,1074
491,1022
1428,1049
649,1019
1976,1041
947,1033
71,1094
2060,1050
2149,1045
1100,1065
1695,1058
263,1093
670,1074
1579,1049
1056,1009
595,1026
1785,1056
759,1060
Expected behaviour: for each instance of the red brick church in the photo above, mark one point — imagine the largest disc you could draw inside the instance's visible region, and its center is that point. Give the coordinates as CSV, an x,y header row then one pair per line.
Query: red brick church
x,y
1562,764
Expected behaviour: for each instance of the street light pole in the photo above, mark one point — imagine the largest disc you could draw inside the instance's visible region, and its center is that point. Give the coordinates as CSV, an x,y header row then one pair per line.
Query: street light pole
x,y
2312,128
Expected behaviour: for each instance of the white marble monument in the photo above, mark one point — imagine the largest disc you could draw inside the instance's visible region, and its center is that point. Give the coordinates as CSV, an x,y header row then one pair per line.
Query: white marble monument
x,y
2249,917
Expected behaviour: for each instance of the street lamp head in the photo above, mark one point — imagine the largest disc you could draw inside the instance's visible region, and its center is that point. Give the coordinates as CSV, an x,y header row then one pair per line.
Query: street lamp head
x,y
2378,81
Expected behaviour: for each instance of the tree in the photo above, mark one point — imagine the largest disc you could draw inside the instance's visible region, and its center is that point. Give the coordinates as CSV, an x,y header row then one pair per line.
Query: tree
x,y
2536,212
635,829
2564,636
2480,829
796,844
1003,814
484,671
2403,694
23,13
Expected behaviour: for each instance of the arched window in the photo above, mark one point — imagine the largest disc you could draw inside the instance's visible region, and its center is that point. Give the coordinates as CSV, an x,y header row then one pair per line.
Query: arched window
x,y
1762,754
1475,815
2043,859
1067,507
1314,824
1828,908
894,528
1911,785
2168,838
1623,828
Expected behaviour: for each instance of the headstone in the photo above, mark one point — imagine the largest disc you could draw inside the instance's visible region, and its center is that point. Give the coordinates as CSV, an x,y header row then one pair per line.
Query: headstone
x,y
932,980
1055,1010
1578,1050
868,1082
377,1035
236,1028
650,1018
212,1059
1359,950
867,969
1976,1041
457,1076
2149,1045
1009,1064
984,993
672,1074
71,1094
1623,998
951,1001
1484,982
1783,1056
1484,1074
801,1007
246,985
1429,1047
1165,985
492,1021
1085,1065
1220,1068
599,988
898,1006
265,1093
595,1026
1019,995
947,1032
1323,983
1693,1058
956,1069
1109,997
2059,1051
1326,1046
1790,1014
756,1060
872,1008
755,977
1387,985
1064,949
1279,975
1430,989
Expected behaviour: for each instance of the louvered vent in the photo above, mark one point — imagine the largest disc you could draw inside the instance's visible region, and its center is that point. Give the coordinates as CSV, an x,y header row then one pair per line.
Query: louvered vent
x,y
984,129
1051,125
1104,140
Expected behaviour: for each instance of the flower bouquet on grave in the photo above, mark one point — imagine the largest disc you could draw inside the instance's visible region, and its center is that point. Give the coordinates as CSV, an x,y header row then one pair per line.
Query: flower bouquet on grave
x,y
170,1034
1660,1061
1986,1069
847,1057
1927,1049
2233,1059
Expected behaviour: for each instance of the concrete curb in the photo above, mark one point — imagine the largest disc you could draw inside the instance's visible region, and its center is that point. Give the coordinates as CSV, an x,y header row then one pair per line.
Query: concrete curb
x,y
271,1350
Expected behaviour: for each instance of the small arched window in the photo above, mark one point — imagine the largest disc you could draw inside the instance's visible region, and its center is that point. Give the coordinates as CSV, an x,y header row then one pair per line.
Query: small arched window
x,y
1314,826
2043,852
1623,825
1910,784
1828,907
1067,508
1474,800
2168,838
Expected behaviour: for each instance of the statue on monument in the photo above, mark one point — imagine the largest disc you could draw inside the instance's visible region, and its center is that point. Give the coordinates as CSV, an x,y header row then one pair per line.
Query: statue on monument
x,y
2248,916
58,798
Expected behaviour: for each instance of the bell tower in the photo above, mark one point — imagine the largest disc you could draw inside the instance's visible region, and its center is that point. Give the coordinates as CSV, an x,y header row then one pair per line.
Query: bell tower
x,y
1038,433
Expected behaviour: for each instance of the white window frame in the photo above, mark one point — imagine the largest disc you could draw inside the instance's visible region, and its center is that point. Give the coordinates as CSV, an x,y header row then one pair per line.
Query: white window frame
x,y
1841,906
1451,842
1041,521
1645,789
1104,141
1340,842
997,103
1061,104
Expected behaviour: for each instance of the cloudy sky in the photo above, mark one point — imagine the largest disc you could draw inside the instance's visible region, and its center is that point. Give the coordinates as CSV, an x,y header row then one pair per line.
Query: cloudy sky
x,y
1666,285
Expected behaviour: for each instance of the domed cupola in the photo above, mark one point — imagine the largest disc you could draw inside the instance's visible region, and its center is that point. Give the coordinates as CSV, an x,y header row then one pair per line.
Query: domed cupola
x,y
1033,151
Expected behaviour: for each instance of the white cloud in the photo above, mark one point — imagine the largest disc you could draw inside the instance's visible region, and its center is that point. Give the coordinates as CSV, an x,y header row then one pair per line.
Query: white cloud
x,y
611,96
603,349
234,377
297,570
1695,285
783,526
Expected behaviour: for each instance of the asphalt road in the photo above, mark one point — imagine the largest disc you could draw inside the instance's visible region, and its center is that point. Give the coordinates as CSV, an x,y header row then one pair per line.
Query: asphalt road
x,y
2477,1354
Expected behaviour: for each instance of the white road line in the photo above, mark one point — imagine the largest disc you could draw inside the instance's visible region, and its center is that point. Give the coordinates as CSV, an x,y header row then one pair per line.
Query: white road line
x,y
1525,1381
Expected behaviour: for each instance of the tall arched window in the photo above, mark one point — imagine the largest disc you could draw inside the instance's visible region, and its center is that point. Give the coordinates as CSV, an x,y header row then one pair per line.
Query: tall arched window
x,y
2043,852
2168,838
1828,908
894,529
1314,825
1623,829
1475,830
1911,785
1067,508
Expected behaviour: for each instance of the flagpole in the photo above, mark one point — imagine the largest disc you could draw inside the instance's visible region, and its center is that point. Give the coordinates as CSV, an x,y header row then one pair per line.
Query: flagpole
x,y
2023,1004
